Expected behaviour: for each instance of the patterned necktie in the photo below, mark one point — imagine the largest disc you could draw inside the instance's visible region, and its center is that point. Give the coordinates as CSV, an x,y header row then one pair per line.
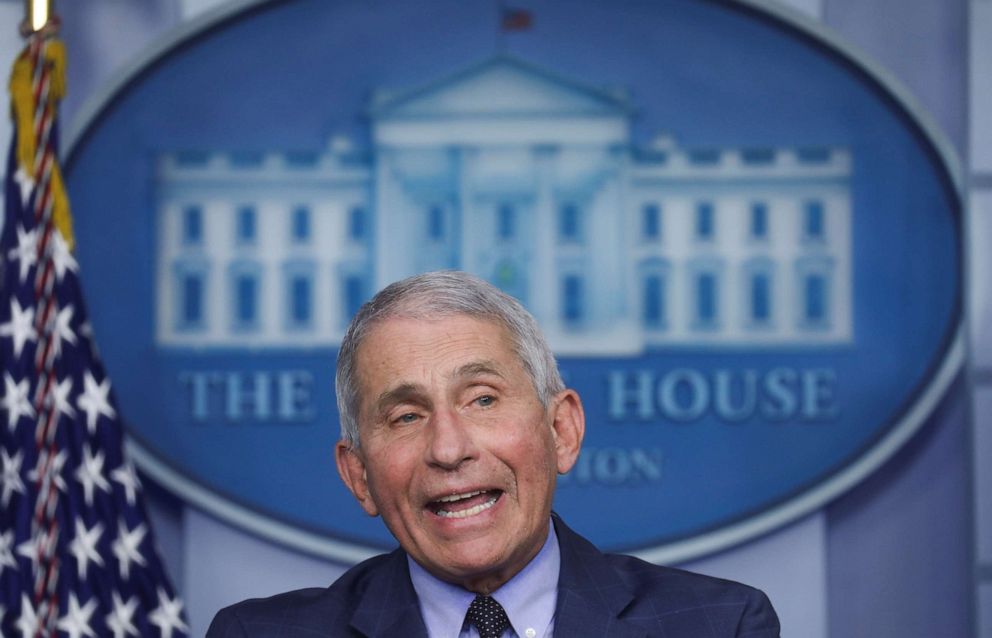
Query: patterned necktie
x,y
488,617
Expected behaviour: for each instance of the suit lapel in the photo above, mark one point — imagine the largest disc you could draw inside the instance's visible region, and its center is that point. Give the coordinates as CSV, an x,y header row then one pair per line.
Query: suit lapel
x,y
388,606
591,595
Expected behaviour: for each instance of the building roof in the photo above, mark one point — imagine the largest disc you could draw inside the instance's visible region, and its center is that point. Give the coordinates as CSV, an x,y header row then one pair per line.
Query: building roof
x,y
501,86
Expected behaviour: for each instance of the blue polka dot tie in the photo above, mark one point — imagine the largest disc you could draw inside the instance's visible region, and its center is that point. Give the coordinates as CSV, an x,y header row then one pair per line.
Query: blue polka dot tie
x,y
488,617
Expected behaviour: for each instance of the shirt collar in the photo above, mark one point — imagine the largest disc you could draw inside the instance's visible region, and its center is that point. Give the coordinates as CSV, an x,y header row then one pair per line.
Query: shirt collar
x,y
529,598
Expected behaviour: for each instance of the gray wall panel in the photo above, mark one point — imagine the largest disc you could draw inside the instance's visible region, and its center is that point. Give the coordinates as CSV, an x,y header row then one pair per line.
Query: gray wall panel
x,y
922,42
898,546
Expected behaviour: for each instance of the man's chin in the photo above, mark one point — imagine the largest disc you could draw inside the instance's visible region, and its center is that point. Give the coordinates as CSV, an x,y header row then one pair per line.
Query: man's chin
x,y
478,573
479,560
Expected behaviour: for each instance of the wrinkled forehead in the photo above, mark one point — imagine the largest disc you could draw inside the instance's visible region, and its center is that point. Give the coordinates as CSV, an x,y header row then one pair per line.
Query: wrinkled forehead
x,y
385,336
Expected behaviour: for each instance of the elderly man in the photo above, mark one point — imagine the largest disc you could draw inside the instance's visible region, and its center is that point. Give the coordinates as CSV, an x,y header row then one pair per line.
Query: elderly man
x,y
455,423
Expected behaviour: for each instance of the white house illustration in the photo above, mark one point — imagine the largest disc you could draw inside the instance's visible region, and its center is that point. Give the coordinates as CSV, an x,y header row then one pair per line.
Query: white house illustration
x,y
531,181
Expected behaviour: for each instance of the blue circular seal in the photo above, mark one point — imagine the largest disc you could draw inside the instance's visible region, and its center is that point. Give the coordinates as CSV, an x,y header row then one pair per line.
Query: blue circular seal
x,y
742,240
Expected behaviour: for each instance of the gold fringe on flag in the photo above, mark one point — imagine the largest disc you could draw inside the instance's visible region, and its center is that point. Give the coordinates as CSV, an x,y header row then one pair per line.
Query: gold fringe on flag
x,y
23,107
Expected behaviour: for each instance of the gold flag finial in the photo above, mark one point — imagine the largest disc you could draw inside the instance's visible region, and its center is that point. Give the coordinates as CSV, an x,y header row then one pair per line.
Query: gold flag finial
x,y
37,84
38,17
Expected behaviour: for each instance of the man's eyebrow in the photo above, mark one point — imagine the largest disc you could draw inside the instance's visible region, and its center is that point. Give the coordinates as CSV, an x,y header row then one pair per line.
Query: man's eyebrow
x,y
477,368
399,394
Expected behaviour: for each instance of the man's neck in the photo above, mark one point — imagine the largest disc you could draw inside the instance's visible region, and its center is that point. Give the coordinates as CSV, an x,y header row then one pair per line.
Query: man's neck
x,y
529,596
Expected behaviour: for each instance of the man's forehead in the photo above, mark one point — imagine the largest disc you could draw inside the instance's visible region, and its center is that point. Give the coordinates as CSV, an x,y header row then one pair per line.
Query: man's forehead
x,y
490,347
485,327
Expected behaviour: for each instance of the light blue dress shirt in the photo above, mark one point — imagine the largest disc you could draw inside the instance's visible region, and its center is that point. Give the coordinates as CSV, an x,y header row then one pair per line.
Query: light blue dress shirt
x,y
529,598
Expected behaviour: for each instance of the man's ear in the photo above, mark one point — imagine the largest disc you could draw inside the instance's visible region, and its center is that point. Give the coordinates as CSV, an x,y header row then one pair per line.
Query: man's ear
x,y
569,426
351,467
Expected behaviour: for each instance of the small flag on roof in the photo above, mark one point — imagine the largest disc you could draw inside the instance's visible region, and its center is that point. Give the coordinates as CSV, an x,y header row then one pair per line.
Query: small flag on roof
x,y
516,19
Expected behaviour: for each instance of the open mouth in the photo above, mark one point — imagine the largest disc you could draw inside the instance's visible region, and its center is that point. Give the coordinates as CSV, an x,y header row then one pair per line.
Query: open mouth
x,y
466,504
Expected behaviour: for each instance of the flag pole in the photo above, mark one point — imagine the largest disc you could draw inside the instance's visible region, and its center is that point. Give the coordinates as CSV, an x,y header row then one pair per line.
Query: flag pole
x,y
37,85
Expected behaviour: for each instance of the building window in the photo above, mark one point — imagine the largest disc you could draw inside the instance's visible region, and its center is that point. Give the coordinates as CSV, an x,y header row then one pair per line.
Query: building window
x,y
190,295
653,307
192,225
813,221
653,281
356,223
813,291
815,299
650,222
245,283
435,223
297,281
300,302
301,230
757,293
759,220
245,225
704,221
505,221
706,299
761,298
247,299
569,223
353,296
573,302
758,155
192,299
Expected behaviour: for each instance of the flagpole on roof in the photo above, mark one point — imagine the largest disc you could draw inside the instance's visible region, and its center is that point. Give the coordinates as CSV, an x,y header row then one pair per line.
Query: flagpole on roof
x,y
500,31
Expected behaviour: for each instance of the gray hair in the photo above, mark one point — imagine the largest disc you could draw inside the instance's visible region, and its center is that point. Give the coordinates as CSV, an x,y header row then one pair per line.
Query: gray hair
x,y
440,294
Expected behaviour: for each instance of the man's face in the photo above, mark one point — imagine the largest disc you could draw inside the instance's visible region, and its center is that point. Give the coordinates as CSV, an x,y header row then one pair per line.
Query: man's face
x,y
456,451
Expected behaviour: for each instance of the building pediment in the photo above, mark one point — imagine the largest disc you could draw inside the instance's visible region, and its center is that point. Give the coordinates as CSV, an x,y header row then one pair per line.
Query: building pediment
x,y
500,87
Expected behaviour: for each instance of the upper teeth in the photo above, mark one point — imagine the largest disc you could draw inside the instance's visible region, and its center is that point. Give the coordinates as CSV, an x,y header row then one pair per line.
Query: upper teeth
x,y
459,497
472,511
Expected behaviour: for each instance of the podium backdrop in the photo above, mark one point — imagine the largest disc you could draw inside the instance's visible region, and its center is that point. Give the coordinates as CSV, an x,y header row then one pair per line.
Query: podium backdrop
x,y
752,232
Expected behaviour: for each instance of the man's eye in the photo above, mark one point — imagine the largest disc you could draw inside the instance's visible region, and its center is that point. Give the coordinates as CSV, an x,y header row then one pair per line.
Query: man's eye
x,y
404,419
486,400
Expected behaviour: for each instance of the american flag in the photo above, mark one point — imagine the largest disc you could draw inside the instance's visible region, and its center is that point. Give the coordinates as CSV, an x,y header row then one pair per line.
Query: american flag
x,y
77,556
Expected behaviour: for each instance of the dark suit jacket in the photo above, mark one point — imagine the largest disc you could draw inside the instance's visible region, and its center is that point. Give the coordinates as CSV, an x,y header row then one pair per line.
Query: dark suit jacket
x,y
599,595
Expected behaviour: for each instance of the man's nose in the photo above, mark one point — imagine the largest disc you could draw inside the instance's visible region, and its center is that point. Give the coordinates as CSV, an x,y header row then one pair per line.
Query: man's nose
x,y
450,442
